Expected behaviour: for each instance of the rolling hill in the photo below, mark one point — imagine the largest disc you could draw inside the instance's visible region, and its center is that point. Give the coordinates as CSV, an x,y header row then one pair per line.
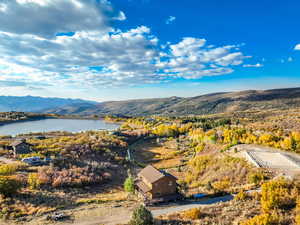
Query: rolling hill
x,y
204,104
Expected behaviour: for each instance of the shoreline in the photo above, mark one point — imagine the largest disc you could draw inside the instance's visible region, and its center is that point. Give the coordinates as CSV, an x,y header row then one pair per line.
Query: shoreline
x,y
3,123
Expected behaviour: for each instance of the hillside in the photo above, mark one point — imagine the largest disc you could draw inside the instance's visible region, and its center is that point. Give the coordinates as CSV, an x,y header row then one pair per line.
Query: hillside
x,y
36,104
204,104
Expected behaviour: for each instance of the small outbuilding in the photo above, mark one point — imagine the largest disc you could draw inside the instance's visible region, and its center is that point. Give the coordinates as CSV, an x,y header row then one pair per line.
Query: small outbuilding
x,y
21,147
156,184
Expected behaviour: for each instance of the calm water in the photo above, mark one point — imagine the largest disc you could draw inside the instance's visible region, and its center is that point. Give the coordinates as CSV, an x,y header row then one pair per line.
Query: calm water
x,y
46,125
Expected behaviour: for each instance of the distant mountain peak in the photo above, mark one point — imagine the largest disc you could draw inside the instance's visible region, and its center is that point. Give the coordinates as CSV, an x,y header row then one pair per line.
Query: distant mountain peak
x,y
36,104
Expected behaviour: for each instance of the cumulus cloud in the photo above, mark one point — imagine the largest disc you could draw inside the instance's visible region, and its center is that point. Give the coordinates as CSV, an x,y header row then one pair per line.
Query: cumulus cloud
x,y
118,56
191,59
170,19
253,65
297,47
46,18
96,54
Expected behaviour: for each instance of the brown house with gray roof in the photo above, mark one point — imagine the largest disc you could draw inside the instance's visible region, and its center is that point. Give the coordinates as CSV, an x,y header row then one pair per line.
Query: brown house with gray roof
x,y
153,183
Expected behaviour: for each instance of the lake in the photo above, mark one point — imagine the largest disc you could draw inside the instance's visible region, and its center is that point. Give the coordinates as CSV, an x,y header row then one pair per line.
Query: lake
x,y
47,125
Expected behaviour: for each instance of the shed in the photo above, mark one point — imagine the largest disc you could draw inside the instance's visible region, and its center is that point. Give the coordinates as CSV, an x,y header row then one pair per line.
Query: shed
x,y
21,147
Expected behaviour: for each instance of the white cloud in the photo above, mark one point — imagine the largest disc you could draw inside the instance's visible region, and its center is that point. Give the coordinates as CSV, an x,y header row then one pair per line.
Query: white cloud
x,y
191,59
46,18
97,55
121,57
253,65
297,47
3,7
170,19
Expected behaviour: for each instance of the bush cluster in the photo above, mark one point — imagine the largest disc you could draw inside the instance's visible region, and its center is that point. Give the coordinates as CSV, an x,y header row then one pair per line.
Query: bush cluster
x,y
75,176
192,214
277,194
263,219
256,177
9,169
9,185
33,181
241,196
141,216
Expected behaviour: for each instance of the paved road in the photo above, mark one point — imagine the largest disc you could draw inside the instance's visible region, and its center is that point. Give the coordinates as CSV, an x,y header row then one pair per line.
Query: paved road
x,y
204,202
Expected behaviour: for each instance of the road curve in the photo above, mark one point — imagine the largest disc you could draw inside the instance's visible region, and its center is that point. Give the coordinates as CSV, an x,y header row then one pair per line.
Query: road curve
x,y
175,209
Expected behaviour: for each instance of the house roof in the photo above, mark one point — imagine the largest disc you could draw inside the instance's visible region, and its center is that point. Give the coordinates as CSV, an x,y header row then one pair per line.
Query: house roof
x,y
142,186
18,142
151,174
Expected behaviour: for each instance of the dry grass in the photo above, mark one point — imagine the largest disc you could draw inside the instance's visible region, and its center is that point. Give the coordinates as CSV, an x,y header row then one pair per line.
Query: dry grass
x,y
30,202
161,156
220,172
112,196
228,213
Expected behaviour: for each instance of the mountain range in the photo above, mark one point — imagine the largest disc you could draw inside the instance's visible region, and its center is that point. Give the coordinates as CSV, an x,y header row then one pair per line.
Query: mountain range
x,y
36,104
203,104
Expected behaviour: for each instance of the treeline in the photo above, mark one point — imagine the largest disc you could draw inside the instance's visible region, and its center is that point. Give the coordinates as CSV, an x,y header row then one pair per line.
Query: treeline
x,y
201,130
173,126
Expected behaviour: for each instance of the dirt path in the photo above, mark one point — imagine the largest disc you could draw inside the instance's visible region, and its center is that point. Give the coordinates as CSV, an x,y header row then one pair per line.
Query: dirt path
x,y
108,215
116,216
112,216
204,202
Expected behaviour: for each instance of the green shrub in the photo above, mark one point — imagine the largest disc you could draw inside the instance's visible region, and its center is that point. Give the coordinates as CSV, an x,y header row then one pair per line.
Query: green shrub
x,y
129,185
141,216
9,185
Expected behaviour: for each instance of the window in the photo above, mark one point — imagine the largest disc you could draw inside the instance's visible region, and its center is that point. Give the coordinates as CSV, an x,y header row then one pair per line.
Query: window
x,y
170,183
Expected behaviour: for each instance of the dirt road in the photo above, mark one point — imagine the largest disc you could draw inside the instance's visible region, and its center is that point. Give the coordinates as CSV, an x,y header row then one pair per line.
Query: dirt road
x,y
204,202
115,216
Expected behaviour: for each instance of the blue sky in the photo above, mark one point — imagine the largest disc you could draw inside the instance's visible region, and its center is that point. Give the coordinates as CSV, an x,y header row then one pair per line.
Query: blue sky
x,y
124,49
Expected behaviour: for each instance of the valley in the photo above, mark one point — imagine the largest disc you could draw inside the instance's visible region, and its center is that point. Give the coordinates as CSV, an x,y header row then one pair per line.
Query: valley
x,y
86,174
149,112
